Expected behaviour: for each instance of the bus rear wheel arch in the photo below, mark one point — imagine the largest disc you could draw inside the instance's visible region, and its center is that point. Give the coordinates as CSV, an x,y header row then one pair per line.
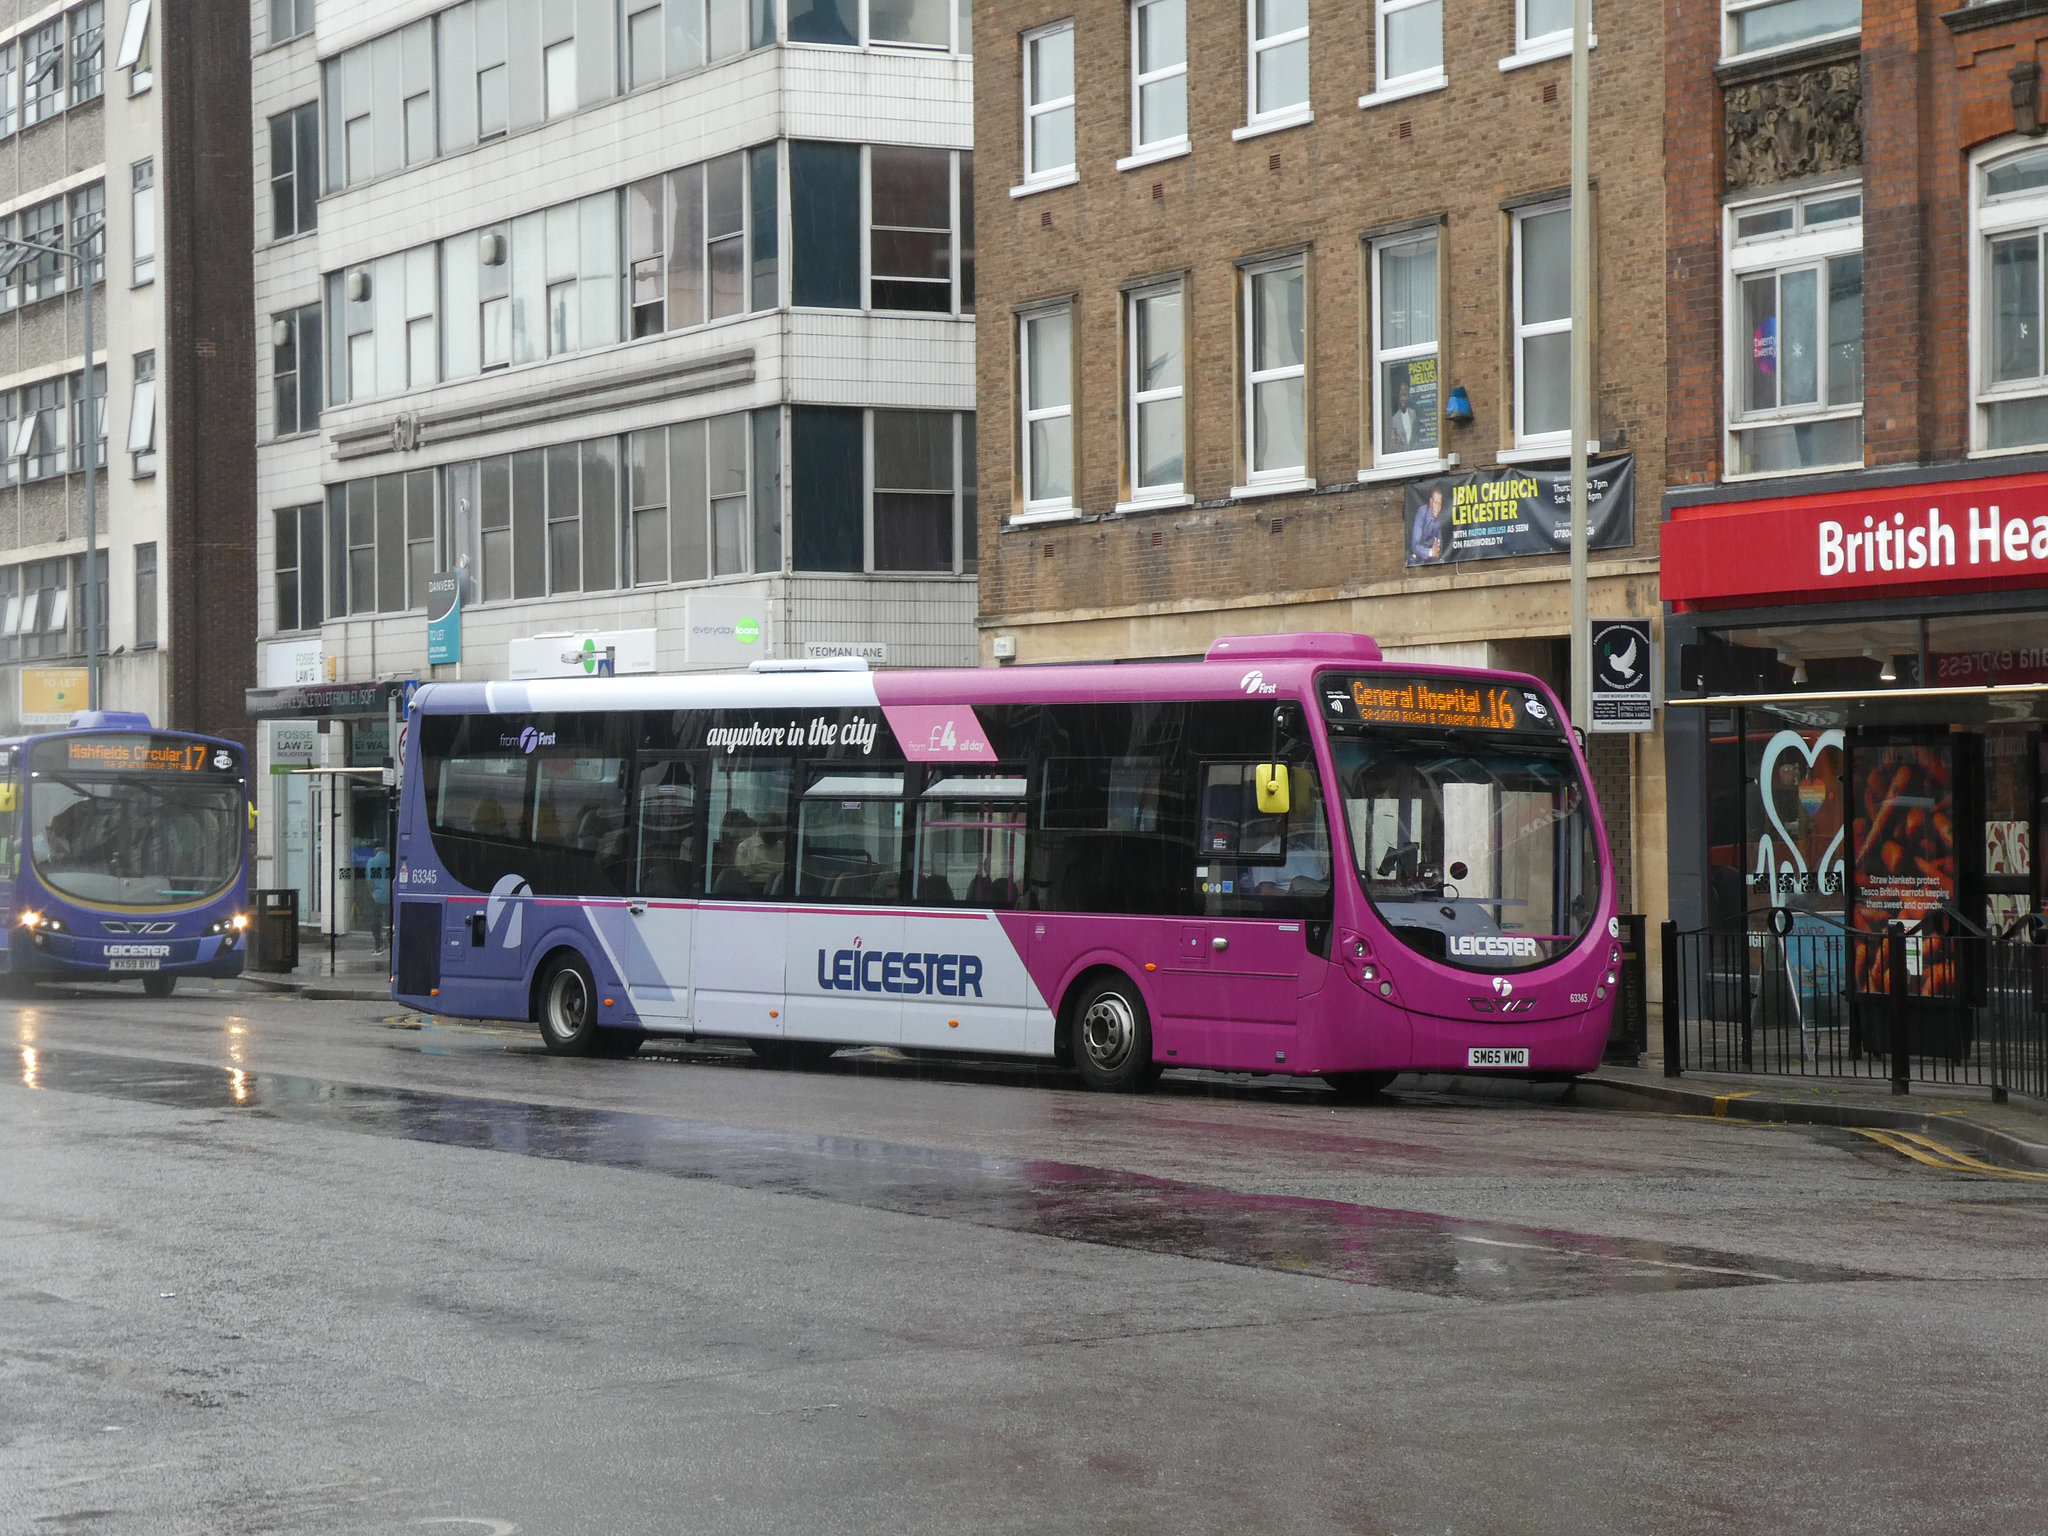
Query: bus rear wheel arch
x,y
1109,1033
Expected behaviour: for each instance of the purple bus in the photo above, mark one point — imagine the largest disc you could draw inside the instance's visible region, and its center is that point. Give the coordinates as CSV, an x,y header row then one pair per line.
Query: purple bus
x,y
124,852
1289,857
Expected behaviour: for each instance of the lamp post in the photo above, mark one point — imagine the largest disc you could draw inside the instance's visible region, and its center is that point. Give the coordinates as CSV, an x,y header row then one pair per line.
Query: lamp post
x,y
18,251
1582,361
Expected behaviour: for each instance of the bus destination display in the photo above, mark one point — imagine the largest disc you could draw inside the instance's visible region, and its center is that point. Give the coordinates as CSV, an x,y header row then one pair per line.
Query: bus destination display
x,y
136,754
1437,703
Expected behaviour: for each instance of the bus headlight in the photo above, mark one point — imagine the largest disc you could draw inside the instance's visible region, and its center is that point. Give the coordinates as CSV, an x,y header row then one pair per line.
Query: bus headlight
x,y
232,926
29,919
42,922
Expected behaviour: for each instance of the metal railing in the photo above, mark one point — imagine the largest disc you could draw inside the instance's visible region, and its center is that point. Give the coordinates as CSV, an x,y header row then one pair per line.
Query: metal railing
x,y
1941,1002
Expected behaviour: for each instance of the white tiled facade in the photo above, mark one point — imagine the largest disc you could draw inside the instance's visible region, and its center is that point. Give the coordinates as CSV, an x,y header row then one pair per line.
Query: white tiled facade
x,y
785,355
83,144
764,367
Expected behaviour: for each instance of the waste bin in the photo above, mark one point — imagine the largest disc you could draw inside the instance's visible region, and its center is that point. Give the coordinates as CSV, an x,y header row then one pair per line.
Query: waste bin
x,y
274,941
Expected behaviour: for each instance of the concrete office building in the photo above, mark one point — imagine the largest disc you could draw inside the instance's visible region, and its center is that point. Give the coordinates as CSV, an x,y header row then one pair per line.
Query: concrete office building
x,y
106,110
651,320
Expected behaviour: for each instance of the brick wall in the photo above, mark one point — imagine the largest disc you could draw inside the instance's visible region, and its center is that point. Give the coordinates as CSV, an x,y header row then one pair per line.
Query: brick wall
x,y
1931,92
1456,154
209,417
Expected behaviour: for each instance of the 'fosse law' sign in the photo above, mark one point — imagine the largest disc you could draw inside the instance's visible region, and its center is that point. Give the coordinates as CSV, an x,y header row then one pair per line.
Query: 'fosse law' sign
x,y
1981,533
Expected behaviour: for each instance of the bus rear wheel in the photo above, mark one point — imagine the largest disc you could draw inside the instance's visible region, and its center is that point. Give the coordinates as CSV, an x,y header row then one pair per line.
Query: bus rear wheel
x,y
568,1008
1112,1038
159,986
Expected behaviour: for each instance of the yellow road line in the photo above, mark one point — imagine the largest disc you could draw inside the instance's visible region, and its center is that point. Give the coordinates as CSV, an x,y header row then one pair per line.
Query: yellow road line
x,y
1723,1100
1933,1154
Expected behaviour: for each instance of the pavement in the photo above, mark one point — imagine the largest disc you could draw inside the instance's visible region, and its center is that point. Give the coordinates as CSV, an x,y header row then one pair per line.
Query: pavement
x,y
359,972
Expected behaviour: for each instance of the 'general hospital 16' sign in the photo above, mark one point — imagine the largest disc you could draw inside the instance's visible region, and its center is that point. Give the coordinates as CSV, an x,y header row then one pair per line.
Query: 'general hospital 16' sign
x,y
1975,533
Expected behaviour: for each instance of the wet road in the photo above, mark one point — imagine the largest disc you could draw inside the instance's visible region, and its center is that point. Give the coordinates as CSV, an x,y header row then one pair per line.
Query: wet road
x,y
268,1265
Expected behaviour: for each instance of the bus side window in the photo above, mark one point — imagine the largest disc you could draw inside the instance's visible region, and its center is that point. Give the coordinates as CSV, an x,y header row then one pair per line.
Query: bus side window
x,y
666,829
1249,863
970,842
749,829
850,835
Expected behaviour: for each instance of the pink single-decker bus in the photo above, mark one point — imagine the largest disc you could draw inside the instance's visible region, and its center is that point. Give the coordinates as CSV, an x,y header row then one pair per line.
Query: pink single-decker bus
x,y
1289,857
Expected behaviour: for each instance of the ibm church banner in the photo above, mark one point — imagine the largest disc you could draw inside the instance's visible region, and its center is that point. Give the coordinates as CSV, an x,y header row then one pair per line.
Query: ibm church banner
x,y
1490,514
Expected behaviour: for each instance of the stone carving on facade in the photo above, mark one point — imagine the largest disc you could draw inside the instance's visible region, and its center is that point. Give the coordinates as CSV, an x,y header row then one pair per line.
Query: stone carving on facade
x,y
1793,126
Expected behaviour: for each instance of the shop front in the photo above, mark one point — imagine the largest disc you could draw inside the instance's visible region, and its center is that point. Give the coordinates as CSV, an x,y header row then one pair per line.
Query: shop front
x,y
1858,720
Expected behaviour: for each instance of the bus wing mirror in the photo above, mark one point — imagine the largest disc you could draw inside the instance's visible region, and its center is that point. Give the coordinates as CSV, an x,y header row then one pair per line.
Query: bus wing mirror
x,y
1274,795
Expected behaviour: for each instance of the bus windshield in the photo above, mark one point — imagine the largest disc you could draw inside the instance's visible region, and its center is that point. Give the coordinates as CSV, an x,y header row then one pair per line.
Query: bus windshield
x,y
135,842
1477,851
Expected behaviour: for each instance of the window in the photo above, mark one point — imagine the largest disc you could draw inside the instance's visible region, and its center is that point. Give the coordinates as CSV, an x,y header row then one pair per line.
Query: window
x,y
42,73
1543,327
295,370
10,89
894,23
142,221
145,597
89,229
1795,308
142,416
673,37
1408,48
381,540
43,275
382,328
1155,420
1279,62
294,171
911,229
380,102
1049,104
290,18
849,839
749,823
1276,374
1756,26
1405,403
558,69
82,405
918,247
918,508
39,434
1046,381
88,52
1159,78
297,563
970,841
134,54
2011,198
1543,26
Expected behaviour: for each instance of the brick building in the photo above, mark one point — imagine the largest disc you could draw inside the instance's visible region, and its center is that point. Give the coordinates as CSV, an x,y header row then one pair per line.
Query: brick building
x,y
1246,254
1858,458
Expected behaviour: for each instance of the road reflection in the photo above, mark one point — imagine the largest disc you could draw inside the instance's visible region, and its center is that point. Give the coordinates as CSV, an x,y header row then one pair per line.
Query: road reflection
x,y
1414,1251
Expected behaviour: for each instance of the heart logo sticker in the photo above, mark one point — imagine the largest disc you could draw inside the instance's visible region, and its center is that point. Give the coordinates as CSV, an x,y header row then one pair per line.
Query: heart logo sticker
x,y
1813,794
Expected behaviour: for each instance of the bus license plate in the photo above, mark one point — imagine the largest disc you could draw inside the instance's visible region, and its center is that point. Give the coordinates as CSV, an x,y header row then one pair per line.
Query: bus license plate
x,y
132,963
1497,1056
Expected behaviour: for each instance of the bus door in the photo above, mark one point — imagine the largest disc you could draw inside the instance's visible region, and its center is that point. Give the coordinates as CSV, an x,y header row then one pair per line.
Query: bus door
x,y
847,941
1260,874
742,928
668,866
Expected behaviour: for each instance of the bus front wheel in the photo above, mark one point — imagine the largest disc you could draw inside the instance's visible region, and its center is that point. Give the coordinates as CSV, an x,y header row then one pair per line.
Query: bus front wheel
x,y
568,1008
1113,1038
159,986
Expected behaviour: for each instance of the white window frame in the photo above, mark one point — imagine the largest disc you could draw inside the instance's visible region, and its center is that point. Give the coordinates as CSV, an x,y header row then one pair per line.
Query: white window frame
x,y
1544,45
1730,9
1294,113
1050,509
1144,152
1792,251
1525,442
1413,460
2007,216
1295,477
1144,498
1039,178
1417,82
